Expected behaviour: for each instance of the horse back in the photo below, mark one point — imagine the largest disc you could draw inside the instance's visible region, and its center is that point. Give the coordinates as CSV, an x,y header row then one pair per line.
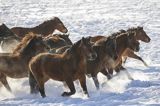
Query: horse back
x,y
20,31
96,38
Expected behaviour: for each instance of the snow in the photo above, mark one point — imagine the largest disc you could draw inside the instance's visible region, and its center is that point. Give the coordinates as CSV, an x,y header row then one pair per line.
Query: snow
x,y
84,18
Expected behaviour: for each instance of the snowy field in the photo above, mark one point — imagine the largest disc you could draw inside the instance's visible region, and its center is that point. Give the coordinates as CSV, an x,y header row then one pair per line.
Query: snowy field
x,y
84,18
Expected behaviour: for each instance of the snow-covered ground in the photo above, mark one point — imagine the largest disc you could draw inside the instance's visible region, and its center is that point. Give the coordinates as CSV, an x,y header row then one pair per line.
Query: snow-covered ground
x,y
84,18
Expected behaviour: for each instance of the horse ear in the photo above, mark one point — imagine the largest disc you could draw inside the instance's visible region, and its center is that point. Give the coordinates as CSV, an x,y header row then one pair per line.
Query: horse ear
x,y
139,28
83,39
3,24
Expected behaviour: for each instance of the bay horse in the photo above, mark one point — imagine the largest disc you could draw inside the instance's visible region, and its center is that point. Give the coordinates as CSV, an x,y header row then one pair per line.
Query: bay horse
x,y
44,28
68,66
7,38
105,59
106,55
140,35
15,65
107,50
124,41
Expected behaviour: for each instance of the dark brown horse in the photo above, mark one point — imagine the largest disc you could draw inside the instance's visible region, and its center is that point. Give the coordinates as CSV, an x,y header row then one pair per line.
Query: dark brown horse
x,y
15,65
68,66
46,28
7,38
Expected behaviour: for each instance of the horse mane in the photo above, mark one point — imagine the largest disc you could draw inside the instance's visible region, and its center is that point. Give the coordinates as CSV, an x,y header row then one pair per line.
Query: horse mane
x,y
54,19
24,42
134,28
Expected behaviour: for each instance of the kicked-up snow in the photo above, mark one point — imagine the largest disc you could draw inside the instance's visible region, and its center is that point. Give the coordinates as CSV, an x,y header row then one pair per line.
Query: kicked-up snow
x,y
90,18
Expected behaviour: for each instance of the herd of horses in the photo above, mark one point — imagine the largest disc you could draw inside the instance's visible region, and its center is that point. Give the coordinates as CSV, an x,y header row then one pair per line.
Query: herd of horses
x,y
41,55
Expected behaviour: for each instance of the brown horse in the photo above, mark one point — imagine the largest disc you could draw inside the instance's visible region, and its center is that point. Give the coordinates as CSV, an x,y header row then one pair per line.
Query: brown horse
x,y
107,50
106,55
68,66
15,65
44,29
140,35
7,38
124,41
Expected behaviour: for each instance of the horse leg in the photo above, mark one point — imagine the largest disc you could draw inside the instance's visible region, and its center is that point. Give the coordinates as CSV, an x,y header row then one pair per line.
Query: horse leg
x,y
39,77
4,81
82,80
104,72
110,71
33,84
124,59
70,84
41,89
133,55
95,80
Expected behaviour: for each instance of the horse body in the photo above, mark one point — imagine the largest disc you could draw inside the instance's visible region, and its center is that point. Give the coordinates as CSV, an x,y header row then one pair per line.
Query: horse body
x,y
9,65
124,41
15,65
106,55
140,35
44,29
68,66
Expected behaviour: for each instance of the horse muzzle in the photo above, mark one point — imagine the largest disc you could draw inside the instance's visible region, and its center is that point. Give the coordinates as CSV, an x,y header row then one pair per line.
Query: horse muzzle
x,y
65,31
148,40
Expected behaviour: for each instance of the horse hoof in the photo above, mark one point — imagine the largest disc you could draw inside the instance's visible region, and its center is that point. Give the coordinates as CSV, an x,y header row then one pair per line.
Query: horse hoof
x,y
43,96
65,94
34,92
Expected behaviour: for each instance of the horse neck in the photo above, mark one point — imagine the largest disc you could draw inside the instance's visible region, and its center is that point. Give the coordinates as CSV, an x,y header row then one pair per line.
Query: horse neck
x,y
76,56
121,44
27,53
45,28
